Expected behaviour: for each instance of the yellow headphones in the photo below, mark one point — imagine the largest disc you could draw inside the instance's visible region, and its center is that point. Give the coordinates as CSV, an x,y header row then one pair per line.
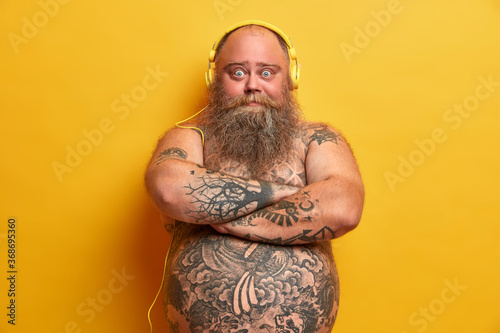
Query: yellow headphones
x,y
294,65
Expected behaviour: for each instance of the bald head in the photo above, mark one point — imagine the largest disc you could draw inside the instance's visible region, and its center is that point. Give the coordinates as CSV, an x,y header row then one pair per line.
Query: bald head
x,y
254,30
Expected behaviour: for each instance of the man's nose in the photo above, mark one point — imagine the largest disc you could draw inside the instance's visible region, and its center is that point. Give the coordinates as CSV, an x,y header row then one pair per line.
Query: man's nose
x,y
253,84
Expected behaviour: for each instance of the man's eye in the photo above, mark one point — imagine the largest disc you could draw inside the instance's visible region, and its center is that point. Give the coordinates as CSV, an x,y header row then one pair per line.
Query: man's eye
x,y
239,73
266,73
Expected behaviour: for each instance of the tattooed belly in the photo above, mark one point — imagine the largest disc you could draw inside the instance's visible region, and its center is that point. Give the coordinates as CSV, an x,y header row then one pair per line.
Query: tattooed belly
x,y
219,283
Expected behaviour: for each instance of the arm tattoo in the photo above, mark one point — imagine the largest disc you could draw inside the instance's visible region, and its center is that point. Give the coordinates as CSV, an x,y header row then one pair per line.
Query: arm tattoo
x,y
287,213
173,152
221,198
325,135
284,213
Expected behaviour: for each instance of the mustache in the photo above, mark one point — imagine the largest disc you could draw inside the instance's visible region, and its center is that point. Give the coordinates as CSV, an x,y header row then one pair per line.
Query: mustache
x,y
244,100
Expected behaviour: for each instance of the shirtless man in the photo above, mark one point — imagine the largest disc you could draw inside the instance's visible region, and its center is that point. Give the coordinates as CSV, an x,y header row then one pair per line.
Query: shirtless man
x,y
255,201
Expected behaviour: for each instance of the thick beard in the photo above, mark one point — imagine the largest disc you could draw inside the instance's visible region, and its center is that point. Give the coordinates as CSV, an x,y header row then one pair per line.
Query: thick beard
x,y
254,137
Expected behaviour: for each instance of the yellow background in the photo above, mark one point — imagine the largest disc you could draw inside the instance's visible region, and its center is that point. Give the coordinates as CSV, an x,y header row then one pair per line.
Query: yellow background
x,y
64,70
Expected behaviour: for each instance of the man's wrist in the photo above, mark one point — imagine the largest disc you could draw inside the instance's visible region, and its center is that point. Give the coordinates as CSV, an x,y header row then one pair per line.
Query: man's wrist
x,y
266,194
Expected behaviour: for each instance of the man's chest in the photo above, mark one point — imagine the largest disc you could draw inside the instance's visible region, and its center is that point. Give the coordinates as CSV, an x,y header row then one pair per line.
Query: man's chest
x,y
288,170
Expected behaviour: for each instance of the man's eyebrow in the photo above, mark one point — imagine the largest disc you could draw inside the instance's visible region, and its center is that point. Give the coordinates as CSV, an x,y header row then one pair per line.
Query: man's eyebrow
x,y
245,63
265,64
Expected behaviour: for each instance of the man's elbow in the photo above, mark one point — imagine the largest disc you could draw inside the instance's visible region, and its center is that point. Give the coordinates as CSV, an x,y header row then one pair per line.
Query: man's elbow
x,y
349,216
350,221
157,186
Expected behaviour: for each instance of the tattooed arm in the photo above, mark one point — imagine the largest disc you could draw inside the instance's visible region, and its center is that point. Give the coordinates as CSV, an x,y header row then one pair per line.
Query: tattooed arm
x,y
183,189
328,207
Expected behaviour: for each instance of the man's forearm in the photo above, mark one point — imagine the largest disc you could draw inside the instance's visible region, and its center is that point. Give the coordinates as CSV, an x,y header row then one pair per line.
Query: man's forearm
x,y
298,219
195,194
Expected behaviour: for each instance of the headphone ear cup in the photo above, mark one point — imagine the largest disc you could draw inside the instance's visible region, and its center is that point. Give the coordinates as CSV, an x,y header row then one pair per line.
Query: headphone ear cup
x,y
295,74
210,74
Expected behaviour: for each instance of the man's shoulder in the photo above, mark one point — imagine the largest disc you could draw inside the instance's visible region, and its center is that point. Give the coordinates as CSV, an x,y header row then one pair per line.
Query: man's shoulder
x,y
319,132
183,128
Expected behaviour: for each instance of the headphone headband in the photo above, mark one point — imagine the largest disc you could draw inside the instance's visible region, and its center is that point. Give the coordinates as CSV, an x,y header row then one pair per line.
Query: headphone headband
x,y
294,65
